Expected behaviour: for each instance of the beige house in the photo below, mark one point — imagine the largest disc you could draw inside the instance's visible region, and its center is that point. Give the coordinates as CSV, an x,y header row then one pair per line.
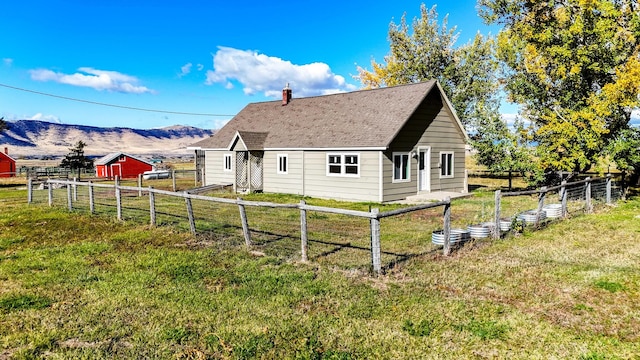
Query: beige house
x,y
372,145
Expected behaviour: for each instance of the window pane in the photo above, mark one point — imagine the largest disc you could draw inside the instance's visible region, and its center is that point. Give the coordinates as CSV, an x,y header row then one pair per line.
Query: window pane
x,y
351,159
334,159
334,169
397,159
282,164
405,167
449,164
350,169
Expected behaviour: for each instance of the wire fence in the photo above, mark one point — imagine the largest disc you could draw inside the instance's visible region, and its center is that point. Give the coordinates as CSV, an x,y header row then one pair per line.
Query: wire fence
x,y
214,217
536,207
335,233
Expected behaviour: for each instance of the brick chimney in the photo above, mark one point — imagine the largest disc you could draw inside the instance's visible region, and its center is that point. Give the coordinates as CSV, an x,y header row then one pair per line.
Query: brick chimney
x,y
286,95
6,150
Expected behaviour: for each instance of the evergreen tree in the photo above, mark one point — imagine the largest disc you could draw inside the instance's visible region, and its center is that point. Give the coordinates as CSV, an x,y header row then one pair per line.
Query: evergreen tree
x,y
75,159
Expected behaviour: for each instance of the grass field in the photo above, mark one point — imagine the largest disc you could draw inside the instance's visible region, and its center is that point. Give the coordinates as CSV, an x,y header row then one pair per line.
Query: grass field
x,y
79,286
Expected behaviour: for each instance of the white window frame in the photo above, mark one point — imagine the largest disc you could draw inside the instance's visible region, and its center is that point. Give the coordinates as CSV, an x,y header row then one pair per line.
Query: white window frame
x,y
343,164
407,166
226,162
447,165
280,158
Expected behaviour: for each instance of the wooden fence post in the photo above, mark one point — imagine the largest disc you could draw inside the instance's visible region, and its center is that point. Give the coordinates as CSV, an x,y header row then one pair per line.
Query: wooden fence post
x,y
447,227
608,189
195,178
69,198
563,198
375,242
152,206
50,192
303,231
92,202
541,196
245,223
587,196
75,189
192,220
139,185
30,191
118,198
496,229
173,178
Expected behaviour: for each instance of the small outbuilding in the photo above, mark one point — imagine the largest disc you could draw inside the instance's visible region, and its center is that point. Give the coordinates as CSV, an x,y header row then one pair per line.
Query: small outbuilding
x,y
376,145
121,165
7,164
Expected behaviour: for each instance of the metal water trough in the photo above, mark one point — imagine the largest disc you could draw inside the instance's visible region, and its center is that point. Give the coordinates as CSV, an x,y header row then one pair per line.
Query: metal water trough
x,y
553,211
532,216
455,236
480,231
505,224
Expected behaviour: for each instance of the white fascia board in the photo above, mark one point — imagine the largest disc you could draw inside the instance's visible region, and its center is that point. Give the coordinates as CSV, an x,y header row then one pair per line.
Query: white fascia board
x,y
329,149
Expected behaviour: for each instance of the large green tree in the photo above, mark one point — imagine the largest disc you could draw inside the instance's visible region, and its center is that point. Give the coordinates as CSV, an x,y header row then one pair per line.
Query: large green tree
x,y
574,67
468,75
76,160
428,51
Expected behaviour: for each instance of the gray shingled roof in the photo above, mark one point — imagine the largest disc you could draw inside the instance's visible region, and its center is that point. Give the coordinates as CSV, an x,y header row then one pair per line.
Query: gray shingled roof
x,y
359,119
107,159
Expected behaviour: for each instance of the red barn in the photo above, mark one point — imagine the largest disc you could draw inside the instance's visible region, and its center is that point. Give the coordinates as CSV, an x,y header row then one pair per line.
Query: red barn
x,y
122,165
7,164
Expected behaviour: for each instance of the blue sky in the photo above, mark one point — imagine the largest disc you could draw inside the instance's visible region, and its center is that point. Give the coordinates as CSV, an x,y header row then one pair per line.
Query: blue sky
x,y
202,57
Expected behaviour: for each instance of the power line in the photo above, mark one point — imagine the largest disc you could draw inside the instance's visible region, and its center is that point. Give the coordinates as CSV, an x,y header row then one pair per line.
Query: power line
x,y
111,105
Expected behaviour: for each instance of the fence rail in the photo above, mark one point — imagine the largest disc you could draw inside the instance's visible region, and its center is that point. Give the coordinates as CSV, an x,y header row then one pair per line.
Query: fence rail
x,y
587,190
118,192
181,207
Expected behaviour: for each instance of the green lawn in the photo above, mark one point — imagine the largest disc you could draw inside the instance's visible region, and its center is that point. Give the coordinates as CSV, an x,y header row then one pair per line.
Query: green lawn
x,y
80,286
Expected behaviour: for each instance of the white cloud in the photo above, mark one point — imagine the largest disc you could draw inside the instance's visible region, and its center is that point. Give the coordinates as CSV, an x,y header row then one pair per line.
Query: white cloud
x,y
93,78
185,70
635,118
259,73
7,61
47,118
510,119
200,67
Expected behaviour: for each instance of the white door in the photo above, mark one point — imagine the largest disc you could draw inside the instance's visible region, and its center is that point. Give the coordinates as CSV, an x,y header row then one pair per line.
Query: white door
x,y
424,167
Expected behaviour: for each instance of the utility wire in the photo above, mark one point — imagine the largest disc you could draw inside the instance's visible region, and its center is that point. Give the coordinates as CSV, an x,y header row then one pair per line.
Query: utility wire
x,y
111,105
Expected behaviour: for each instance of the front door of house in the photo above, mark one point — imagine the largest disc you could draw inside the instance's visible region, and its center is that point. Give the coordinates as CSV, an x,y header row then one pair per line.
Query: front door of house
x,y
424,167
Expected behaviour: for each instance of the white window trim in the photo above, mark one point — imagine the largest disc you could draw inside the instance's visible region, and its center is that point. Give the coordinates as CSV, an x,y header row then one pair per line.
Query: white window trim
x,y
286,159
453,169
343,165
224,163
408,165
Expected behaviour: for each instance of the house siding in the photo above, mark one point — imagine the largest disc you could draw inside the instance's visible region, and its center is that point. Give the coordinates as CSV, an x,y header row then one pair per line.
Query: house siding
x,y
363,188
213,167
290,183
430,126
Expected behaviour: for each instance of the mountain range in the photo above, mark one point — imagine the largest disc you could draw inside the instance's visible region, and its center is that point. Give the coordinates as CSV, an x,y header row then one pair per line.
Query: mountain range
x,y
33,138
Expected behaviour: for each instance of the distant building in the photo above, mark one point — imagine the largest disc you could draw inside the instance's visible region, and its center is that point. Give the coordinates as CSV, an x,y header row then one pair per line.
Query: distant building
x,y
121,165
7,164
